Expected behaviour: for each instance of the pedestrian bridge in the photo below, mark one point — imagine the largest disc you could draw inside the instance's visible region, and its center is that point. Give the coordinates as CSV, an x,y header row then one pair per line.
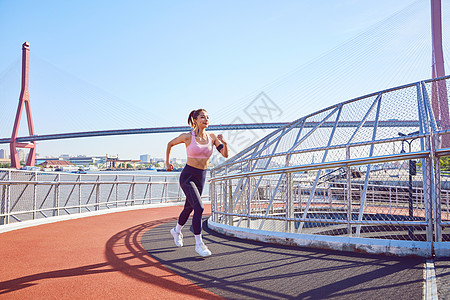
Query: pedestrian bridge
x,y
366,187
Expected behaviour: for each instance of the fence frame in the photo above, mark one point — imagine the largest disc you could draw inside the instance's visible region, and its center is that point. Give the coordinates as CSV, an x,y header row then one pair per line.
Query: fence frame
x,y
100,193
245,177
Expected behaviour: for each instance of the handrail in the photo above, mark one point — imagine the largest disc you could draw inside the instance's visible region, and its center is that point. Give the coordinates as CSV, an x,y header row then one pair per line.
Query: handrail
x,y
326,165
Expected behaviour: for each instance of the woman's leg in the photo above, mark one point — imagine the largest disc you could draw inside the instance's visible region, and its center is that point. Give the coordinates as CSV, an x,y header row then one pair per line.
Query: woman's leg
x,y
192,181
193,203
184,215
185,177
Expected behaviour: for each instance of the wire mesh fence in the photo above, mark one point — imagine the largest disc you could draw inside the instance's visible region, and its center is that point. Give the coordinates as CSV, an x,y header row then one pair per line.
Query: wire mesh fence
x,y
27,195
372,167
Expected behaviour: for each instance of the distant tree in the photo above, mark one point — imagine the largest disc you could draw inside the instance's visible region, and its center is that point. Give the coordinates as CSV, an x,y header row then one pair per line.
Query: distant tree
x,y
445,163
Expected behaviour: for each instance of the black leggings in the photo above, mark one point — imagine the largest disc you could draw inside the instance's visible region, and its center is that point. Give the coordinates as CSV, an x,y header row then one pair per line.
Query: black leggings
x,y
192,181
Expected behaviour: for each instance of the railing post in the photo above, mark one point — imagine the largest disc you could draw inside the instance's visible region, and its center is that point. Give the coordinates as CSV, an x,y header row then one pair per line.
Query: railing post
x,y
429,203
3,204
249,189
390,199
56,196
228,199
97,193
213,197
349,193
230,202
249,201
436,171
133,195
35,195
179,194
223,208
427,171
117,190
330,196
4,201
289,202
79,194
165,187
8,199
446,203
150,189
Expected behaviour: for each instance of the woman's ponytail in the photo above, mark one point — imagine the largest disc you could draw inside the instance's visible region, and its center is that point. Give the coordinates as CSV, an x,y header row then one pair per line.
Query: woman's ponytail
x,y
191,119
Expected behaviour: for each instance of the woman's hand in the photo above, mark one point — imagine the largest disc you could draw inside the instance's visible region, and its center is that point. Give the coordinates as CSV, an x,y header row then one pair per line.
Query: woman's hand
x,y
169,167
221,139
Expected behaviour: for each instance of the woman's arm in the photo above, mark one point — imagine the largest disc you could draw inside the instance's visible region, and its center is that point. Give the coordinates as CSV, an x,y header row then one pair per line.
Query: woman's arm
x,y
182,138
224,150
218,141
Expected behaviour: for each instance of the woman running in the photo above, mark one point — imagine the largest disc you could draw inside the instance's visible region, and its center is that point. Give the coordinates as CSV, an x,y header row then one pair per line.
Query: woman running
x,y
199,147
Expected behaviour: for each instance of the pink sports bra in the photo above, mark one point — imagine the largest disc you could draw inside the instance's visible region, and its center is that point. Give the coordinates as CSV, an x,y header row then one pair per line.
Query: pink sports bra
x,y
196,150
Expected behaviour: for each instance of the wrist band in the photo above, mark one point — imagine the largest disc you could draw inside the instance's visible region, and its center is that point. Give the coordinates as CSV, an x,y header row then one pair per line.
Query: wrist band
x,y
219,147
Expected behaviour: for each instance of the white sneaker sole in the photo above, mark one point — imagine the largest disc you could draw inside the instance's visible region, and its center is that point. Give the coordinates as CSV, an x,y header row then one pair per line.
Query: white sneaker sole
x,y
202,252
175,238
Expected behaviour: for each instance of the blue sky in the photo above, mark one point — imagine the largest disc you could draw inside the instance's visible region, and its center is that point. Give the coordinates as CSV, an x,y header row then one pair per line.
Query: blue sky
x,y
165,58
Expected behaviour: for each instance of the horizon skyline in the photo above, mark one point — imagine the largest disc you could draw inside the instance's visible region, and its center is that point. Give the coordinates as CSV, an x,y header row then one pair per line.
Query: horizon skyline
x,y
63,155
179,160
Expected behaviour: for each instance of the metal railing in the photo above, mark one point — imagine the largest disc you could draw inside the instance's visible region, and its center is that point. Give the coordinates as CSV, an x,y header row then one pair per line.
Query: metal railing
x,y
27,195
357,180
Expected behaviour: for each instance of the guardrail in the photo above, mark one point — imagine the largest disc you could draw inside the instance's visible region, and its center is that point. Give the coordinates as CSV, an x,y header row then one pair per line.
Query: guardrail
x,y
27,195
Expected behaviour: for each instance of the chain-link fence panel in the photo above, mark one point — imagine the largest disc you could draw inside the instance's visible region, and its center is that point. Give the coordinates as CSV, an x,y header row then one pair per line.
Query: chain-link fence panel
x,y
362,168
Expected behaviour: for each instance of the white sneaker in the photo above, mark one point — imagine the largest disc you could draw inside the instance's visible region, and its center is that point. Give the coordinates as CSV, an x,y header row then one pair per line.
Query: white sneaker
x,y
177,237
202,249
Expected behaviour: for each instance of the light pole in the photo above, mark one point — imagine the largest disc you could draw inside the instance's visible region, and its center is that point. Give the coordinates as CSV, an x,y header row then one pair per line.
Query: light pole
x,y
412,171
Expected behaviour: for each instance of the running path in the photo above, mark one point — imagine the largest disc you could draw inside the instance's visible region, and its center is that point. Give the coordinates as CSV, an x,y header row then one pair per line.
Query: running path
x,y
98,257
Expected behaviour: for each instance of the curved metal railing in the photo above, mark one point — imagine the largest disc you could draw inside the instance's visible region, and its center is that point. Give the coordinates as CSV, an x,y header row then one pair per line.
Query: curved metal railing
x,y
368,167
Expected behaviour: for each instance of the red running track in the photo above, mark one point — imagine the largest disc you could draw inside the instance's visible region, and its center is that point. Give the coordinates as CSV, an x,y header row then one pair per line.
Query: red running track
x,y
97,257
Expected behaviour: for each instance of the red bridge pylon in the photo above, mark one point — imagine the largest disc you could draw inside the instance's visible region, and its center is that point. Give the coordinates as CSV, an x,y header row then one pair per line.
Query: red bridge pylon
x,y
439,88
23,100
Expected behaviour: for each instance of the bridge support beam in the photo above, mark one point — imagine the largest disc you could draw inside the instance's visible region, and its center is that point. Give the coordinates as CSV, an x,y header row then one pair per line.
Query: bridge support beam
x,y
439,88
24,100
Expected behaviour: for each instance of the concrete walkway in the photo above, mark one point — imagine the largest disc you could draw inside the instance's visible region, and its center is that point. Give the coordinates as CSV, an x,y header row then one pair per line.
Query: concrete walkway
x,y
96,257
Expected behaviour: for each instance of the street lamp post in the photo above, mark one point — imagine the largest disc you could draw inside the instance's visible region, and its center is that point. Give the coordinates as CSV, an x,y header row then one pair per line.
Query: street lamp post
x,y
412,171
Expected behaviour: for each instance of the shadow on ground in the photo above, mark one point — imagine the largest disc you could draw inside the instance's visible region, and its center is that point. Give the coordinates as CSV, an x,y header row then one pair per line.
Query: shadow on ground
x,y
240,269
124,253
